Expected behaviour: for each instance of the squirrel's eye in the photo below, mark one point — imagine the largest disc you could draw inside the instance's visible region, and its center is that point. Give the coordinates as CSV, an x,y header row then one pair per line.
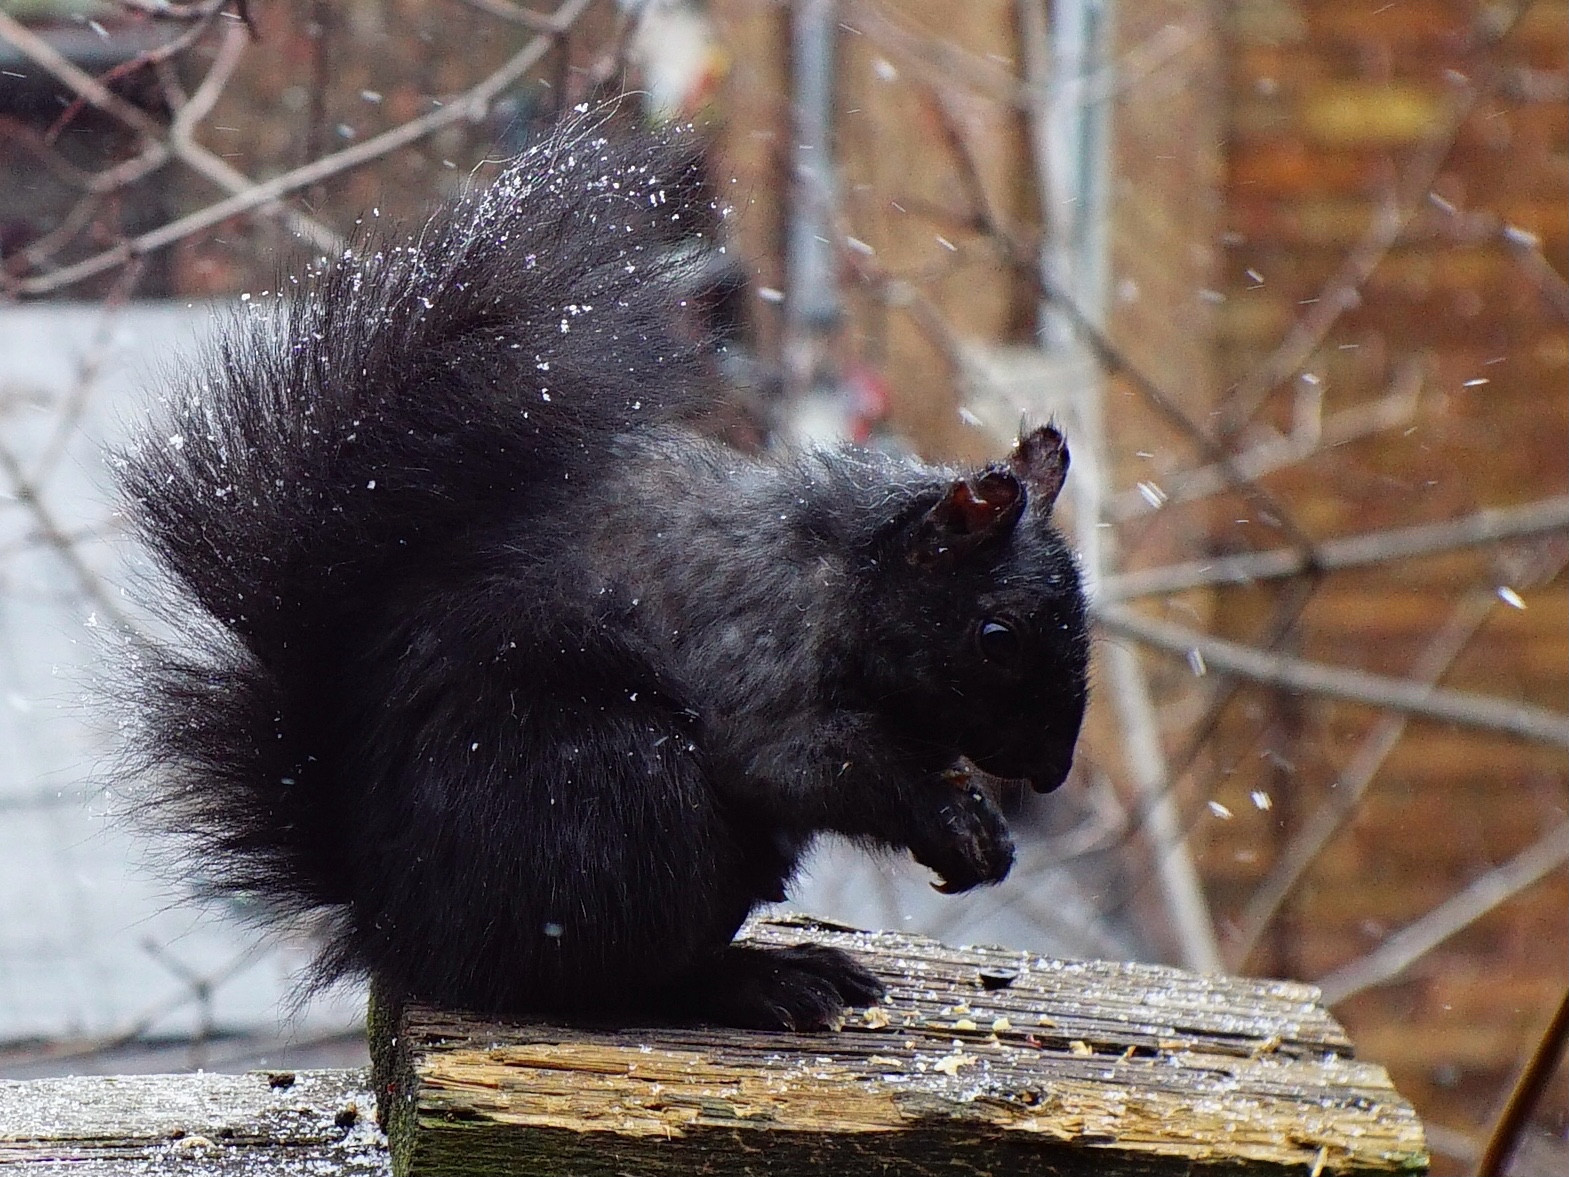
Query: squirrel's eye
x,y
997,642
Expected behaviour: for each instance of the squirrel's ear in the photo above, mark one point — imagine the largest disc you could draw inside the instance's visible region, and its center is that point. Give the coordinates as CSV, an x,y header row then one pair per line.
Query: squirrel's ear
x,y
974,513
1041,459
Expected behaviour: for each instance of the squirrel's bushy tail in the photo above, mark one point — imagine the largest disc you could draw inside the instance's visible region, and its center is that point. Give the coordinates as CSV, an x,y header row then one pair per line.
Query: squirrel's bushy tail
x,y
398,397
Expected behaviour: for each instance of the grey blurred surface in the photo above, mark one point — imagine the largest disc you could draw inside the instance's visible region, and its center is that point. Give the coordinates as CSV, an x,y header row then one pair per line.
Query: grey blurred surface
x,y
94,946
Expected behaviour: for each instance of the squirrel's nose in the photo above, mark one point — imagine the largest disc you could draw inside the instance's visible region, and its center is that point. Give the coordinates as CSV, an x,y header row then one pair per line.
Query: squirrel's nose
x,y
1045,780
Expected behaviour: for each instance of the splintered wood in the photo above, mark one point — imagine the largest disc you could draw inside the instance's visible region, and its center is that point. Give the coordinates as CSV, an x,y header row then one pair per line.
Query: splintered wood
x,y
979,1060
278,1123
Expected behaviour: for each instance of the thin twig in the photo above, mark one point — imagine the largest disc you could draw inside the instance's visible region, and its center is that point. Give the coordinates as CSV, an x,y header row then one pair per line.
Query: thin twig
x,y
38,252
137,1026
1342,292
1468,228
1350,786
1462,708
1284,615
68,418
30,140
169,10
46,56
900,294
937,57
1544,517
984,216
536,22
199,105
1114,359
1395,408
53,534
1459,911
472,103
1352,783
1526,1094
1181,886
147,59
127,171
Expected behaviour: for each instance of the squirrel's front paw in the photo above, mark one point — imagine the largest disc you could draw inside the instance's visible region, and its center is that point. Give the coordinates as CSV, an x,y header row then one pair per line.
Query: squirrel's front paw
x,y
965,840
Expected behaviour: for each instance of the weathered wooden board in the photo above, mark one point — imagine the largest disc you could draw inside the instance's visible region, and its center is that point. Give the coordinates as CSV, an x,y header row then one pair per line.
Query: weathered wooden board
x,y
201,1125
980,1060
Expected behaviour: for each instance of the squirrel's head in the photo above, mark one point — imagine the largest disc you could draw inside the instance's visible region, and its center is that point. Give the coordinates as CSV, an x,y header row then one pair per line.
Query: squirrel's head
x,y
981,640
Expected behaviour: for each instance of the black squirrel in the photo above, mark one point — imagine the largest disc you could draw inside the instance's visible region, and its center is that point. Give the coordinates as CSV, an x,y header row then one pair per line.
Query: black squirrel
x,y
536,693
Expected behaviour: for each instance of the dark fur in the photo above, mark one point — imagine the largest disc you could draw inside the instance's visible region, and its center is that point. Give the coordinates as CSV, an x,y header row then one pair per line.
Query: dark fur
x,y
533,689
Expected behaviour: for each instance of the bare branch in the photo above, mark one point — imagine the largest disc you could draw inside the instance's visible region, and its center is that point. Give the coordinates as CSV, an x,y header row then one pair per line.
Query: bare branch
x,y
1527,1093
1115,360
127,171
936,58
1459,911
1284,614
43,54
1111,357
516,14
88,581
1181,887
1461,708
1351,785
68,418
471,104
200,104
899,294
1524,246
70,225
154,154
1342,292
1544,517
1353,782
197,10
138,1025
148,59
1307,439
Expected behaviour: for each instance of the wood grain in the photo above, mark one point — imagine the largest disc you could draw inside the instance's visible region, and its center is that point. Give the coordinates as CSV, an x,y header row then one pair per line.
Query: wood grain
x,y
201,1125
1066,1067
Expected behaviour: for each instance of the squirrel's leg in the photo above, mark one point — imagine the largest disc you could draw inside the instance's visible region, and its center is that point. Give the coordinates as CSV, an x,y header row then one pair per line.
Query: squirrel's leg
x,y
578,862
804,987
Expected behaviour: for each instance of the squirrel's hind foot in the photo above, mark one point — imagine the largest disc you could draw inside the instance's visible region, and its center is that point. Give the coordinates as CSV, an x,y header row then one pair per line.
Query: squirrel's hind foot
x,y
802,988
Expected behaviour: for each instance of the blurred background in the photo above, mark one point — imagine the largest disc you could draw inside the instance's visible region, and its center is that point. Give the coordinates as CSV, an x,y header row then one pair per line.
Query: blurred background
x,y
1291,274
